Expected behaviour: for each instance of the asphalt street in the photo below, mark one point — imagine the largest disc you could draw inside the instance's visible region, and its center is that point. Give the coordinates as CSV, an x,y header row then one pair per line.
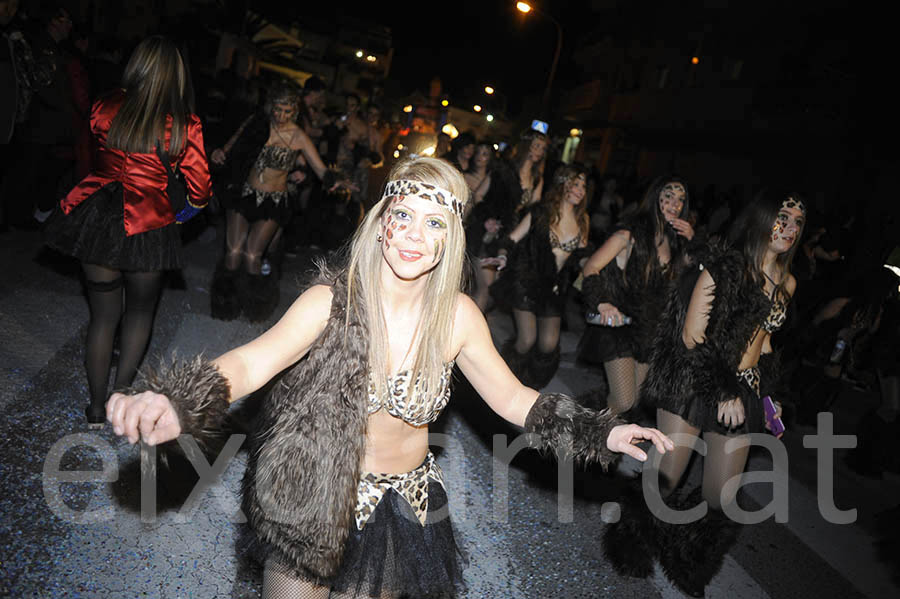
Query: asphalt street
x,y
65,536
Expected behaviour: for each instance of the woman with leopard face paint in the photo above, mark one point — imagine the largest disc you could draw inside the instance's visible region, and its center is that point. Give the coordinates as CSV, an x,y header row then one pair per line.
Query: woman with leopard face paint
x,y
712,362
341,490
627,277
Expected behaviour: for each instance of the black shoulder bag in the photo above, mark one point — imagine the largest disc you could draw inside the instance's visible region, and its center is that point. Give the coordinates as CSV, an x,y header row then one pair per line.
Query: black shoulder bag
x,y
176,189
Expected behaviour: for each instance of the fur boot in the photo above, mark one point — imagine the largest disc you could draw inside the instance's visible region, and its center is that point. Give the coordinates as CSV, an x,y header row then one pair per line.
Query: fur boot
x,y
542,367
630,544
563,426
224,303
691,554
517,362
259,296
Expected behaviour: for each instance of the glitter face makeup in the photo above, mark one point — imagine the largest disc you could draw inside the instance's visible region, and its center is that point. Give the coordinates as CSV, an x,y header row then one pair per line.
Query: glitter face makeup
x,y
411,229
671,200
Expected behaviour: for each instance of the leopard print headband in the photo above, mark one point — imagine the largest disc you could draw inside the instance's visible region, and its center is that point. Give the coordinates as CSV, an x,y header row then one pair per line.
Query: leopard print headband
x,y
794,202
426,191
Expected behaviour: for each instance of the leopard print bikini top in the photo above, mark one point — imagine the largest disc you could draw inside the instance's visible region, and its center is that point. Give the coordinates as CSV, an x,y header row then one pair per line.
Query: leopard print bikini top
x,y
568,246
776,317
416,412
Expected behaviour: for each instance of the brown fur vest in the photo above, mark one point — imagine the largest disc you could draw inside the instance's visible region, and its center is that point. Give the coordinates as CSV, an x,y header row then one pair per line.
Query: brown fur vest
x,y
299,490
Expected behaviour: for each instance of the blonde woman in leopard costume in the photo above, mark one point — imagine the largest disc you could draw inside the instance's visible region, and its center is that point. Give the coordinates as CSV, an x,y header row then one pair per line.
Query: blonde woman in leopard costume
x,y
341,491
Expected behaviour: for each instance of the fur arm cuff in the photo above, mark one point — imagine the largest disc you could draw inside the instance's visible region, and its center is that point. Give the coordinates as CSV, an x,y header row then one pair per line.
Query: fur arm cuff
x,y
606,286
570,429
199,394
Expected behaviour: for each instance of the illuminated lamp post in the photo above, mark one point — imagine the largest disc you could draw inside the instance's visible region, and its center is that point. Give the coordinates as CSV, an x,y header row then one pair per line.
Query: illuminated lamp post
x,y
525,8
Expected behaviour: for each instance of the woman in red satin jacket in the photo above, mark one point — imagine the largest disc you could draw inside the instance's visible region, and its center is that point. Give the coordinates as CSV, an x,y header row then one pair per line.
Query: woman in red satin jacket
x,y
118,221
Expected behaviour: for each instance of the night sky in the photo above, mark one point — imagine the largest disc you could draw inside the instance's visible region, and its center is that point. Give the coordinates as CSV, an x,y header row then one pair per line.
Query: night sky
x,y
470,44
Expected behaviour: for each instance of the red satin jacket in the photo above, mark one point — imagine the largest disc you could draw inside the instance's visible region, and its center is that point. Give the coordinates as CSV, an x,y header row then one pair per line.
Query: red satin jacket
x,y
142,176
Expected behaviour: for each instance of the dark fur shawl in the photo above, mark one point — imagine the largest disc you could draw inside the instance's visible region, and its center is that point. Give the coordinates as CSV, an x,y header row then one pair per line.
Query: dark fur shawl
x,y
707,372
299,490
245,150
634,291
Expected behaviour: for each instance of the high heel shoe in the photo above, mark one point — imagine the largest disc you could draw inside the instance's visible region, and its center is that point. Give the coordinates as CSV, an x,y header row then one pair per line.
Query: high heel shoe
x,y
95,420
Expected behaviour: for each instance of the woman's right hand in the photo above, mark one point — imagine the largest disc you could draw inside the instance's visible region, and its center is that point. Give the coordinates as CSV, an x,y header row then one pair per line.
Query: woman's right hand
x,y
148,416
610,315
218,156
731,413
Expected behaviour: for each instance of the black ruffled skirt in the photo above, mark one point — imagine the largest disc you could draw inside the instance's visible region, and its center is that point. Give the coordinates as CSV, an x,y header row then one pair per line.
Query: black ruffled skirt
x,y
599,344
256,206
705,416
94,233
394,555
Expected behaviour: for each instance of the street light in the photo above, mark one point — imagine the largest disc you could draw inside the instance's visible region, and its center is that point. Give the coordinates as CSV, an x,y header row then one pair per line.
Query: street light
x,y
488,90
477,108
526,8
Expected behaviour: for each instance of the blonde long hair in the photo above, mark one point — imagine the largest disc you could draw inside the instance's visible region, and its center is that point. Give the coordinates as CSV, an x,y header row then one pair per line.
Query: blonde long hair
x,y
157,84
443,285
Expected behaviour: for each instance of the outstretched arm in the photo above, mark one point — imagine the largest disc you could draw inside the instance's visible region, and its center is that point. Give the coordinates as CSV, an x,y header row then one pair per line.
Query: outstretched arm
x,y
178,398
551,416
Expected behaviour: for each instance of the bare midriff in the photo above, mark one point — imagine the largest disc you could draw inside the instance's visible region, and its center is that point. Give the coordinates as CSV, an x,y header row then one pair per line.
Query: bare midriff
x,y
271,179
754,350
392,445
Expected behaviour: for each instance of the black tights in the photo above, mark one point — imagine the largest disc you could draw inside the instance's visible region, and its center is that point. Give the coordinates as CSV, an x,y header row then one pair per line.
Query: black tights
x,y
718,466
247,242
104,291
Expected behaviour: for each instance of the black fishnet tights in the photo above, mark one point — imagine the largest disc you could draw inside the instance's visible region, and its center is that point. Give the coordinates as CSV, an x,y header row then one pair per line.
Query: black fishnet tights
x,y
718,466
245,242
105,298
625,377
279,582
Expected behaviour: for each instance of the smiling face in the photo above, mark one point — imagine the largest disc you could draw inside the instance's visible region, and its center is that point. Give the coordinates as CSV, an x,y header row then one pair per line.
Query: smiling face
x,y
787,227
671,200
414,234
576,190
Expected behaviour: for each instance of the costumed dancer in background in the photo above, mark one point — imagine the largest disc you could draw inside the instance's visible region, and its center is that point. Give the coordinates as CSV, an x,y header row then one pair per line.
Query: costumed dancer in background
x,y
628,277
118,221
341,489
543,253
712,361
495,197
264,153
528,158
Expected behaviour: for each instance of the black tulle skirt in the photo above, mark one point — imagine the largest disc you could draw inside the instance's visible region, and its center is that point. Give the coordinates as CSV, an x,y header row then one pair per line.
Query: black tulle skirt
x,y
599,344
273,206
394,555
705,416
94,233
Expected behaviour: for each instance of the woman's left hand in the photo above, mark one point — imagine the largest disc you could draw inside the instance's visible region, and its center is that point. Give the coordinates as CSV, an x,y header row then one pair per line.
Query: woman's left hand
x,y
297,176
622,439
683,228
